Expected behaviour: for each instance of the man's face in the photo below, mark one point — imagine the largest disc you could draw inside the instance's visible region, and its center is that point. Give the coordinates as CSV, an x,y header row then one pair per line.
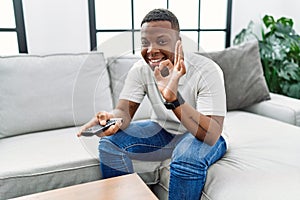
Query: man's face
x,y
158,42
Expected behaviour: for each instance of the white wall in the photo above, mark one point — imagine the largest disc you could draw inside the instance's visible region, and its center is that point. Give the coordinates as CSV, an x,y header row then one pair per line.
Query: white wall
x,y
54,26
62,25
244,11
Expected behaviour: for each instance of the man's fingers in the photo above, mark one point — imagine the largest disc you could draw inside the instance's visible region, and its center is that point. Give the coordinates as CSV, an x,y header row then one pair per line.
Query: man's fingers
x,y
178,52
103,117
163,64
91,123
111,130
157,73
79,133
116,127
183,69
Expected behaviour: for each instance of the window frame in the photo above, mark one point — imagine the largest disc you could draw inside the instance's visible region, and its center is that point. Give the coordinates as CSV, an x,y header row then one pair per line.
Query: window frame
x,y
94,30
20,26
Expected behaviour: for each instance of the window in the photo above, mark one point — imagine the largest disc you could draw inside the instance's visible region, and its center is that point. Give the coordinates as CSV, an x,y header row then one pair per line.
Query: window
x,y
205,24
12,30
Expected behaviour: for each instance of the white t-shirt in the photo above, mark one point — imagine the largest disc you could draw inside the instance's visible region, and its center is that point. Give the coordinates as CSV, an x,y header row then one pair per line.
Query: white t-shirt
x,y
202,87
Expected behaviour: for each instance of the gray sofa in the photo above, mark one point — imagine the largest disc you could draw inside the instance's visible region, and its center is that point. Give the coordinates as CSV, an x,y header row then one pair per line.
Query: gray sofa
x,y
45,98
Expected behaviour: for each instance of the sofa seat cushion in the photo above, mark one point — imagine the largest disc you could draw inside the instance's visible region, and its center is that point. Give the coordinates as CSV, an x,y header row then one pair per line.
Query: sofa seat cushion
x,y
262,161
43,161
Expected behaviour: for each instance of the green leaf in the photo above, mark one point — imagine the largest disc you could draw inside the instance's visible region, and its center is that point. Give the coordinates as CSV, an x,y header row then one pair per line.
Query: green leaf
x,y
292,70
291,90
282,29
294,53
286,22
268,20
245,34
274,82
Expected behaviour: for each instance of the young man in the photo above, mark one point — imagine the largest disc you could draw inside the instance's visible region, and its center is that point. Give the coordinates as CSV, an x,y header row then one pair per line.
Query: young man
x,y
188,99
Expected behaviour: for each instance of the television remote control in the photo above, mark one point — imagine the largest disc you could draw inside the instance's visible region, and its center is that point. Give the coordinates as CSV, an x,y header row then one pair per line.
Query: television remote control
x,y
99,128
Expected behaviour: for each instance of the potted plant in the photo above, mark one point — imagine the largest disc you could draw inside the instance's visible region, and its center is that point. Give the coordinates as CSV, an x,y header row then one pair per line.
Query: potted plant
x,y
279,46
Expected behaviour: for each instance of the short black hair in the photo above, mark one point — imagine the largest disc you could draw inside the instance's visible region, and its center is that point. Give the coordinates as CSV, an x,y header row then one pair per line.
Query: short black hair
x,y
161,14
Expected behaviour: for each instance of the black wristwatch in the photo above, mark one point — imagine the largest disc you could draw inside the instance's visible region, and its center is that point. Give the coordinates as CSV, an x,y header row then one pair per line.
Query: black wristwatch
x,y
174,104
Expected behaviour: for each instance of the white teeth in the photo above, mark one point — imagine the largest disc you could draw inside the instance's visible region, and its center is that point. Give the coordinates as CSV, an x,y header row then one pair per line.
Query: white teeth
x,y
155,61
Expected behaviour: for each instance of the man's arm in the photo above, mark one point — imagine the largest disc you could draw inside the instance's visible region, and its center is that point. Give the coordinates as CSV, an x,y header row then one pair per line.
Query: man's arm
x,y
206,128
125,110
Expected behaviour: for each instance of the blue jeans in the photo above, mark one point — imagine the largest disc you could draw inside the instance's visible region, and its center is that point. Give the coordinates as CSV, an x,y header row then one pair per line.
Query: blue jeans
x,y
148,141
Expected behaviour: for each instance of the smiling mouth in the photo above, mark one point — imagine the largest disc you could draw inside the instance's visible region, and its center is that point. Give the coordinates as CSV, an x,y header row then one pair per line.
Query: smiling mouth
x,y
155,62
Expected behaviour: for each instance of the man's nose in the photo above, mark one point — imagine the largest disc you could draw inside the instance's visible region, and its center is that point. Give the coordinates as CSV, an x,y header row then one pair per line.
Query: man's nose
x,y
152,49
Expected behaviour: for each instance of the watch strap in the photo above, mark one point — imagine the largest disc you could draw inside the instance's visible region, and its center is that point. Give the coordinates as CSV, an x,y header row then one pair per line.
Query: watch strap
x,y
174,104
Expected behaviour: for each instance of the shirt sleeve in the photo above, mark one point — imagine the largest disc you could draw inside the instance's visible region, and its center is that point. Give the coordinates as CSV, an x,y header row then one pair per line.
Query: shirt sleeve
x,y
211,97
134,86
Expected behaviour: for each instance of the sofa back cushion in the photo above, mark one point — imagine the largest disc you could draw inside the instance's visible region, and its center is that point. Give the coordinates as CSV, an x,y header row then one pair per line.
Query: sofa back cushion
x,y
245,84
40,92
118,68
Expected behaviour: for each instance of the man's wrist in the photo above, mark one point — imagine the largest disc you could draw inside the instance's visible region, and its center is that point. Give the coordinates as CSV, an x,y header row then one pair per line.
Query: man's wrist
x,y
174,104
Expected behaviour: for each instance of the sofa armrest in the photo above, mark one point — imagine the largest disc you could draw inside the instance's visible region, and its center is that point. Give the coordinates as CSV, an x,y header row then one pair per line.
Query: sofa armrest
x,y
279,107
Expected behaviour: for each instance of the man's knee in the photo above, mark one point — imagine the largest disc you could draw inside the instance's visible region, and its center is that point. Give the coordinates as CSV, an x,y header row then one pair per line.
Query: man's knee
x,y
107,146
188,158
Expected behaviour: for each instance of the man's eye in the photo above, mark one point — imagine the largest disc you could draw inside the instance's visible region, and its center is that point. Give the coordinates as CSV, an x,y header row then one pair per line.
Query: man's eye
x,y
162,42
145,43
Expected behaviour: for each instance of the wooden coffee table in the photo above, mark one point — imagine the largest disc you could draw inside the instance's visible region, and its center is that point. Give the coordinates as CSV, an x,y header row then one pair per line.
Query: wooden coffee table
x,y
118,188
